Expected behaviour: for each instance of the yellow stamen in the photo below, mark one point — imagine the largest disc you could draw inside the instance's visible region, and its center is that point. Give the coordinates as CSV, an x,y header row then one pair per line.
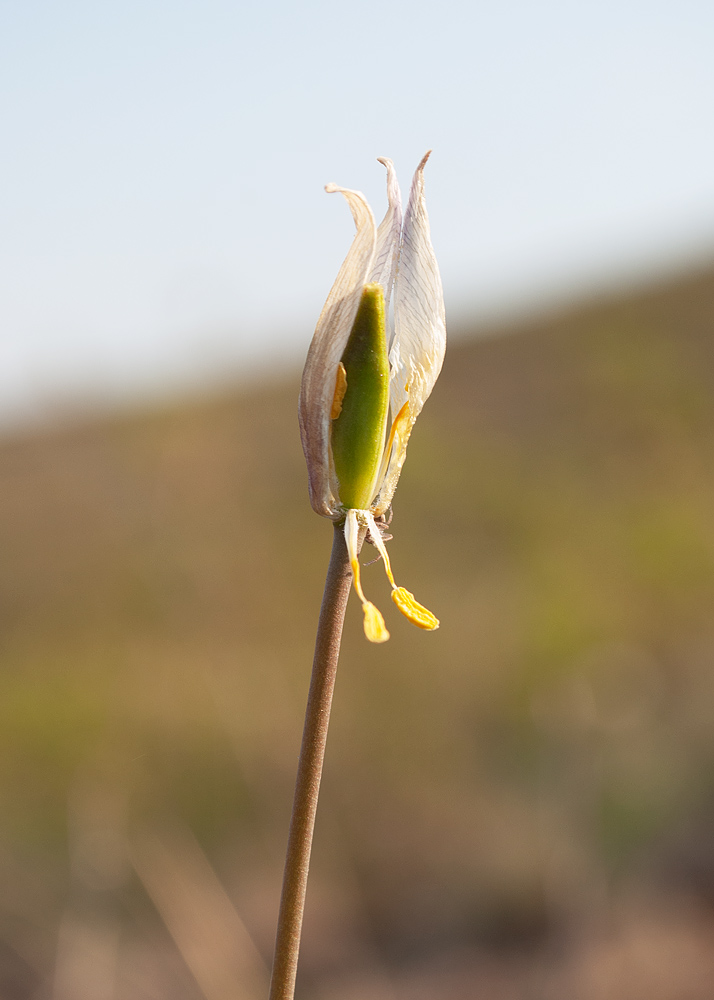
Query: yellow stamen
x,y
340,390
354,563
411,609
374,627
415,612
376,536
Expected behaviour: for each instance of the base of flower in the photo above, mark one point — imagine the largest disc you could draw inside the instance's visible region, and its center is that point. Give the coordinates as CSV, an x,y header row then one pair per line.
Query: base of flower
x,y
374,627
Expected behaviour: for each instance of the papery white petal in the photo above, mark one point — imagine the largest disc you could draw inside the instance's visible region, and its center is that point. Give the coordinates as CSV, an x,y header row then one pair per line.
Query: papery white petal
x,y
420,324
388,236
328,344
417,352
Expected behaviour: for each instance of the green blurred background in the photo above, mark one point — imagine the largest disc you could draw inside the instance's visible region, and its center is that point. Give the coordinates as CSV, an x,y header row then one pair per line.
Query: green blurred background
x,y
518,805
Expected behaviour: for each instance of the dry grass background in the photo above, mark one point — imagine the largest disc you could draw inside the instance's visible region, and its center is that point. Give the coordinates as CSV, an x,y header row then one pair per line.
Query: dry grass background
x,y
520,805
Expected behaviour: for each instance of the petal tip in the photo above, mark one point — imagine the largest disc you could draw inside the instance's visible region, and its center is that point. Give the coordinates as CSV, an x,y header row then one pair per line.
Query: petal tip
x,y
425,157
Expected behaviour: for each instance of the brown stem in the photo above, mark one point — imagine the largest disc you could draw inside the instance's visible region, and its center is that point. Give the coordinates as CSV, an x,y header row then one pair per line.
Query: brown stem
x,y
307,785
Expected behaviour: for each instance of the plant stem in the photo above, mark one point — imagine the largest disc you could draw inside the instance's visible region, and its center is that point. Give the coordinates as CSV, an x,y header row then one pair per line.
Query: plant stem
x,y
307,785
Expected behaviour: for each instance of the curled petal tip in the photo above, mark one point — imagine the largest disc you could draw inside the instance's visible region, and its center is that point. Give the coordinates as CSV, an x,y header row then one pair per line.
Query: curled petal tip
x,y
424,158
331,188
385,161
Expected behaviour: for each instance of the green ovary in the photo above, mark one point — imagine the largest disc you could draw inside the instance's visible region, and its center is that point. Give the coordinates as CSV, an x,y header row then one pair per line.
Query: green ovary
x,y
358,432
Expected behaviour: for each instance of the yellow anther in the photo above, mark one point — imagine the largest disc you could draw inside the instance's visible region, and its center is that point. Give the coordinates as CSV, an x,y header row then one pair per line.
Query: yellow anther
x,y
398,426
411,609
374,627
340,390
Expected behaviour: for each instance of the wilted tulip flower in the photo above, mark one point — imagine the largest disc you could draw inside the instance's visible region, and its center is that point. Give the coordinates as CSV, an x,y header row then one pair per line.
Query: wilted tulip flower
x,y
364,385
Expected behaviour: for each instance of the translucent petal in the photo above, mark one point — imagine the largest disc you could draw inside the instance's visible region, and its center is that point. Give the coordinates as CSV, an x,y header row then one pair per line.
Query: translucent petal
x,y
388,236
417,352
420,326
328,342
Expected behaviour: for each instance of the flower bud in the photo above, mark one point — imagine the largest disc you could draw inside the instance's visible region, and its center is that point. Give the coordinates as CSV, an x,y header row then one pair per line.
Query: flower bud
x,y
364,387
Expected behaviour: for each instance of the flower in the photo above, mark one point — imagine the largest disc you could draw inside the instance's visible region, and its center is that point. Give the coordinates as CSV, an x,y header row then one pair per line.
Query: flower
x,y
363,387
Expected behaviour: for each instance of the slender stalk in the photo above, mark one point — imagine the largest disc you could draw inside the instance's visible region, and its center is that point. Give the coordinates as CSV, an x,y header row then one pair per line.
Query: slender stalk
x,y
307,785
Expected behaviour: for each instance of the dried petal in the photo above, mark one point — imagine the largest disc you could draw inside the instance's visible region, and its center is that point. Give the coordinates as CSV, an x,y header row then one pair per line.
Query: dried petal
x,y
328,343
417,352
389,236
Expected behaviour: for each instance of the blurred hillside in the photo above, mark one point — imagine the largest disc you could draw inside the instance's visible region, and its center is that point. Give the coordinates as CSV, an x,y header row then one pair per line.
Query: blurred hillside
x,y
519,805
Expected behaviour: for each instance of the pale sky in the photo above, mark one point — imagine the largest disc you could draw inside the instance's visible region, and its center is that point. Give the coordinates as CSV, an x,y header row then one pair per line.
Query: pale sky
x,y
162,213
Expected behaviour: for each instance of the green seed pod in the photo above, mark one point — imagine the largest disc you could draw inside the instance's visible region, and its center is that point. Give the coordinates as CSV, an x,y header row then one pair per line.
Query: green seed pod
x,y
361,403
